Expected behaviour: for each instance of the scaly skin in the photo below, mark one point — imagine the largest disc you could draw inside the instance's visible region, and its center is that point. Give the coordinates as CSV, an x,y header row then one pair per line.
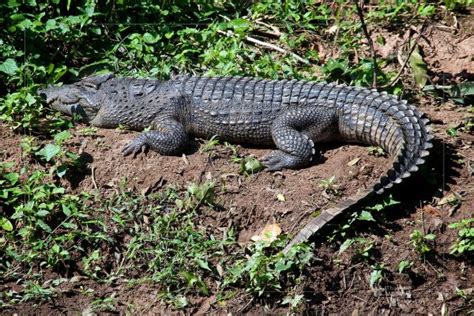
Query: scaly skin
x,y
289,114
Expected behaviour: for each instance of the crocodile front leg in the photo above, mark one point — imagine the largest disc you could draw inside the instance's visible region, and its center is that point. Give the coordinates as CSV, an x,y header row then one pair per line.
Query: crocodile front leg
x,y
168,137
294,133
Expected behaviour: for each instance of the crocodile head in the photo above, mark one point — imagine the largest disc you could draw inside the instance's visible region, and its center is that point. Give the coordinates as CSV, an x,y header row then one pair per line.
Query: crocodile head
x,y
80,98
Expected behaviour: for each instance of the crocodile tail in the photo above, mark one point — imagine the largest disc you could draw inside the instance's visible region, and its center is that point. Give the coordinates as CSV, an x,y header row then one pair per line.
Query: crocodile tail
x,y
325,217
397,127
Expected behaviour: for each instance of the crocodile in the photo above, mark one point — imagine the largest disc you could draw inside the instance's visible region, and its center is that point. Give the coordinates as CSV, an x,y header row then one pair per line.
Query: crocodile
x,y
291,115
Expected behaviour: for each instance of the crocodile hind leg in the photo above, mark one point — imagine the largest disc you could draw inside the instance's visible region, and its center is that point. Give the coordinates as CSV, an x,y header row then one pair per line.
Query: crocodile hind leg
x,y
294,133
168,137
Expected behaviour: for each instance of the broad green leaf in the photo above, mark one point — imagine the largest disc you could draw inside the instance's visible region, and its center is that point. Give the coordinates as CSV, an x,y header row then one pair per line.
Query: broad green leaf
x,y
49,151
6,224
62,136
66,210
366,216
346,244
9,66
239,25
149,38
44,226
418,67
42,213
463,89
12,177
375,277
402,265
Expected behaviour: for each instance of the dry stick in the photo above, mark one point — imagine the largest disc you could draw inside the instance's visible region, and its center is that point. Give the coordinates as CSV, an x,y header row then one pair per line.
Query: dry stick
x,y
405,62
269,46
371,44
93,178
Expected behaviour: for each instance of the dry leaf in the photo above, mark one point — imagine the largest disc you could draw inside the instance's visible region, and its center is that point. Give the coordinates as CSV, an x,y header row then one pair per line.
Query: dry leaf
x,y
281,197
353,161
268,234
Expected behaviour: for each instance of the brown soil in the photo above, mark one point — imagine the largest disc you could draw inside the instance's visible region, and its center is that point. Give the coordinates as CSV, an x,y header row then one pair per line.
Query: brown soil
x,y
333,283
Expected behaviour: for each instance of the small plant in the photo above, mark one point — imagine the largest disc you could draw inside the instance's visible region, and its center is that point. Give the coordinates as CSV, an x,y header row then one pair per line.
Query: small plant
x,y
329,185
210,145
404,265
263,272
362,248
250,165
292,300
464,243
376,151
202,193
61,159
88,131
421,242
376,276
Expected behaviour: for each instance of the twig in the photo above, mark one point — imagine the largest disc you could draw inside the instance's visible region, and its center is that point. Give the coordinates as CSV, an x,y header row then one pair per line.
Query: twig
x,y
274,30
371,44
405,62
268,45
93,178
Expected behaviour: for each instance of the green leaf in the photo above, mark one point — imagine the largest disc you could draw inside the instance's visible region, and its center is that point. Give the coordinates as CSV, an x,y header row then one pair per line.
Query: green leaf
x,y
149,38
293,301
6,224
9,66
402,265
239,25
42,213
203,264
430,236
61,170
250,165
346,244
44,226
375,276
49,151
463,89
61,137
12,177
366,216
418,67
66,210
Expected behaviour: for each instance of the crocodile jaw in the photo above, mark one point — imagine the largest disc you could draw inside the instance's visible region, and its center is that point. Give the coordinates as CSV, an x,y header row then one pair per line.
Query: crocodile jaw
x,y
70,100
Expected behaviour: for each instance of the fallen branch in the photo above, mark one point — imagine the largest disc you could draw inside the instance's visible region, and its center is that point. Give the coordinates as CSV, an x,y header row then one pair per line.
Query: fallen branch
x,y
371,44
267,45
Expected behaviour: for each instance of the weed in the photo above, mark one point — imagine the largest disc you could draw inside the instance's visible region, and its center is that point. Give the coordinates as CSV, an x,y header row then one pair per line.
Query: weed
x,y
376,276
376,151
464,243
262,272
329,185
422,242
250,165
404,265
88,131
362,248
210,145
202,193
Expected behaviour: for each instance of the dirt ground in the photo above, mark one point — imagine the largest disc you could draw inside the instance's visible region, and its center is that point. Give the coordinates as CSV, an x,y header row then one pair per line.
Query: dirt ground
x,y
334,284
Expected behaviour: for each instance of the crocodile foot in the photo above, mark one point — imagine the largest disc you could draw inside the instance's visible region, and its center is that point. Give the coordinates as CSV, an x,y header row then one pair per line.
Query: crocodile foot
x,y
136,146
278,160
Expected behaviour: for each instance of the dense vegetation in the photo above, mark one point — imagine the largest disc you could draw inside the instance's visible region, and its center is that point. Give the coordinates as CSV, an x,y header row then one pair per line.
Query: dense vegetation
x,y
51,234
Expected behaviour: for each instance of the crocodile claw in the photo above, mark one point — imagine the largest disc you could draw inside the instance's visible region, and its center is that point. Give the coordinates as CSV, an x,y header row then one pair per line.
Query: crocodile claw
x,y
278,160
136,146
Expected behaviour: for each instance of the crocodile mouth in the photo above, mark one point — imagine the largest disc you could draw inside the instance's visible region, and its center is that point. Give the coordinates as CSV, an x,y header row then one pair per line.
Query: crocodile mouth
x,y
67,102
